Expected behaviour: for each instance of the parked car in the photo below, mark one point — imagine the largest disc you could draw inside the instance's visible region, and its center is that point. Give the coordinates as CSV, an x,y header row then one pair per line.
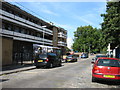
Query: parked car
x,y
106,69
71,58
47,60
84,55
97,56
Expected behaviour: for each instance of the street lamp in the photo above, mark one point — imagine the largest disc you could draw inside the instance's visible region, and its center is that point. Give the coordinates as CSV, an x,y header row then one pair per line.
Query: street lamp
x,y
43,33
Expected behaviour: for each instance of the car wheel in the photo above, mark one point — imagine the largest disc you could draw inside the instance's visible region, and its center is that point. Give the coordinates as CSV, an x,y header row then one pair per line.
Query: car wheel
x,y
37,67
60,64
93,79
76,60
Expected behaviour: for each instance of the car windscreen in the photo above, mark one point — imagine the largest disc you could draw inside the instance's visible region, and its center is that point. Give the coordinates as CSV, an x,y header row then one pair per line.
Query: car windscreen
x,y
43,56
108,62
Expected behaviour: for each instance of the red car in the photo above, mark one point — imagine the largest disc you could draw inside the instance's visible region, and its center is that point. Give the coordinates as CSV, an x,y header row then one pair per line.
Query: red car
x,y
106,69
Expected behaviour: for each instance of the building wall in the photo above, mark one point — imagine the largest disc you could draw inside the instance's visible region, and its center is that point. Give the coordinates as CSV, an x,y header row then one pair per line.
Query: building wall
x,y
118,52
0,51
26,30
7,47
55,37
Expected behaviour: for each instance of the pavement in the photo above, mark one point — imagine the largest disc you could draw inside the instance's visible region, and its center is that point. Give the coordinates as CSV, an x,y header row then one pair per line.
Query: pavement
x,y
16,68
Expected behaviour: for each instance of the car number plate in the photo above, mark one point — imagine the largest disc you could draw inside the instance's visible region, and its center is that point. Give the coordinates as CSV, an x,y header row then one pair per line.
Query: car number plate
x,y
40,60
109,76
68,60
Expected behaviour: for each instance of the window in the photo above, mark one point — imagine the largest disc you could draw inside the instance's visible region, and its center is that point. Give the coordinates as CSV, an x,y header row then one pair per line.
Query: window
x,y
3,26
10,27
22,31
28,32
25,31
6,26
17,29
107,62
43,56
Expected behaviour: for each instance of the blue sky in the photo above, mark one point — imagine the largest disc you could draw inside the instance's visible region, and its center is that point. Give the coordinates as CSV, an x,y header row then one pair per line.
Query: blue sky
x,y
68,15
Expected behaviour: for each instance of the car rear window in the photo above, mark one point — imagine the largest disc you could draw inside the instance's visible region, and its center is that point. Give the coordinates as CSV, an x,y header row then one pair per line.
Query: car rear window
x,y
109,62
43,56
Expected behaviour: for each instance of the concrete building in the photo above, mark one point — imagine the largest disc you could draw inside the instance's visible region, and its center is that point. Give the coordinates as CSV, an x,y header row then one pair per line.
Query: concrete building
x,y
113,50
20,30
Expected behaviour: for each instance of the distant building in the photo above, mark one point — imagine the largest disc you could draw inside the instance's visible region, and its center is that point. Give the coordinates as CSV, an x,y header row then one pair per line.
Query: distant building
x,y
20,30
113,51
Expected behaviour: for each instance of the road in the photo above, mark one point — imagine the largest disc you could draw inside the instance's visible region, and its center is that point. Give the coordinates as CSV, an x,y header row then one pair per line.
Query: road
x,y
70,75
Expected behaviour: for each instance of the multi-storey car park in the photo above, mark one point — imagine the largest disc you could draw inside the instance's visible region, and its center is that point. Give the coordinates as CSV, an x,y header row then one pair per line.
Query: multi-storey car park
x,y
20,30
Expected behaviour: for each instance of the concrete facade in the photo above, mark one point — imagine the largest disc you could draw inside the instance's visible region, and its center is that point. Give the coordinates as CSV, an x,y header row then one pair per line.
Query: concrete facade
x,y
7,47
20,30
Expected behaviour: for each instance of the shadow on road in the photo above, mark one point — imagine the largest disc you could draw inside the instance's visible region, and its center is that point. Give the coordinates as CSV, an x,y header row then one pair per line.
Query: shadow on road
x,y
109,82
2,80
50,67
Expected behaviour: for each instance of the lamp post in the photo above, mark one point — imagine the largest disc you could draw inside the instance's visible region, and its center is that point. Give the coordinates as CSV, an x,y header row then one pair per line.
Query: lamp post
x,y
84,48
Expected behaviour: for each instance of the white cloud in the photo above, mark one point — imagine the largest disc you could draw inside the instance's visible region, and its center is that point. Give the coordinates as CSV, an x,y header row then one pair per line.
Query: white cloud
x,y
69,42
45,9
84,19
49,12
65,26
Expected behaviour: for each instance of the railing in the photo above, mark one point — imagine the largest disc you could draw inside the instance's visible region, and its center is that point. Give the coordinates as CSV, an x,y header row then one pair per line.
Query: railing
x,y
18,35
25,21
7,32
60,34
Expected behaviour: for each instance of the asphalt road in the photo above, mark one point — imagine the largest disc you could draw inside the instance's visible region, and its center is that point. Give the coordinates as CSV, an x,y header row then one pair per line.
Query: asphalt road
x,y
70,75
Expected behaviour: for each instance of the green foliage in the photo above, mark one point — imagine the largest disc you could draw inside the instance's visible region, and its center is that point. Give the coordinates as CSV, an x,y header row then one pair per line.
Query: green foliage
x,y
111,24
67,49
91,39
88,39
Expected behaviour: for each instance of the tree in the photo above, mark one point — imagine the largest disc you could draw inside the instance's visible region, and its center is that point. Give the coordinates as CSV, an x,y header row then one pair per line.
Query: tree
x,y
88,38
111,24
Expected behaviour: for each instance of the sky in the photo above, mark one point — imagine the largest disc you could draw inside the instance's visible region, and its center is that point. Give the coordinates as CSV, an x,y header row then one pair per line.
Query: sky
x,y
68,15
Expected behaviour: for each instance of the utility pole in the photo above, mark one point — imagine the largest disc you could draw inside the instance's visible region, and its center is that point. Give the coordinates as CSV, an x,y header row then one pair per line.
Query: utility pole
x,y
84,47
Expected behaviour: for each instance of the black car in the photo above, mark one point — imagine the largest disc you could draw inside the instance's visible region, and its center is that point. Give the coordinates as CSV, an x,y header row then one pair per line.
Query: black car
x,y
71,58
84,55
47,60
